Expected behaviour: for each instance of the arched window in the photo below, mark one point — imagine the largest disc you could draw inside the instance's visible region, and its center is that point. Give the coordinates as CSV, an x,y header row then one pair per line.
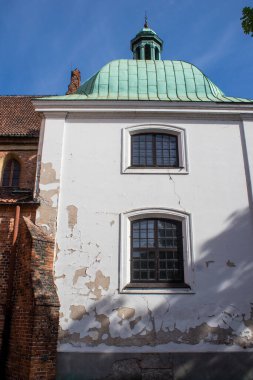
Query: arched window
x,y
147,52
11,173
157,251
157,55
138,52
154,150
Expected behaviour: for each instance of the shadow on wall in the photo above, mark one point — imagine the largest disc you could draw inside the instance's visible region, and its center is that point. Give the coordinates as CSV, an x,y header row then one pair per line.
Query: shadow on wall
x,y
218,314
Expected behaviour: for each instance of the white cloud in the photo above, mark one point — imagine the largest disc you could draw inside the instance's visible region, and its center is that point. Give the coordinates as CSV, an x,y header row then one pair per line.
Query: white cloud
x,y
220,48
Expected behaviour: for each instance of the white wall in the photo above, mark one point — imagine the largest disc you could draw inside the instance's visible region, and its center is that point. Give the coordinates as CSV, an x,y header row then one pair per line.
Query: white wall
x,y
93,194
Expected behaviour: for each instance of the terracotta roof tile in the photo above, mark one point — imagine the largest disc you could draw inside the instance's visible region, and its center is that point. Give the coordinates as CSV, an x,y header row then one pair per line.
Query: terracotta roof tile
x,y
18,117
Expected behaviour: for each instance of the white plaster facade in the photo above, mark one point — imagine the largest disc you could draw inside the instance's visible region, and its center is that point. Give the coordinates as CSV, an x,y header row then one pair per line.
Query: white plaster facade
x,y
88,195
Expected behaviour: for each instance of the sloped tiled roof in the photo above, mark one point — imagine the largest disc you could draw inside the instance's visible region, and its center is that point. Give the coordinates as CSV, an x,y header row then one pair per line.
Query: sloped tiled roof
x,y
18,117
175,81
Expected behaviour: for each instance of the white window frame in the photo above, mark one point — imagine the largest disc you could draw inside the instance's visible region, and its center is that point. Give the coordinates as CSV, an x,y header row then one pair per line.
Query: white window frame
x,y
125,249
154,128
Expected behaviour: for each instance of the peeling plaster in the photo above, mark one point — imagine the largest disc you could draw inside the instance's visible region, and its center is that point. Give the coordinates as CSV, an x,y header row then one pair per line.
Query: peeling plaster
x,y
72,216
79,273
48,211
47,174
126,312
202,333
48,196
96,286
77,312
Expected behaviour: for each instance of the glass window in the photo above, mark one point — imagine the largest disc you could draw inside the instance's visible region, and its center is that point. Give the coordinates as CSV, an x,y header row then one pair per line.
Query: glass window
x,y
11,173
154,150
147,52
157,251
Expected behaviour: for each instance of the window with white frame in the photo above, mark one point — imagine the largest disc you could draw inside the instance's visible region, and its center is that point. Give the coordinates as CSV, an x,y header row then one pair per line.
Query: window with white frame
x,y
154,149
155,252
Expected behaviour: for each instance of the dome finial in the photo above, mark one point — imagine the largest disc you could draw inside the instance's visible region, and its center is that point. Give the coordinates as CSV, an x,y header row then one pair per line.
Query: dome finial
x,y
146,20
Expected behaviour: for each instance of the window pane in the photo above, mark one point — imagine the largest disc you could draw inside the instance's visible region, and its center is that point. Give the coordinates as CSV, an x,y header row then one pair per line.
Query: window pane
x,y
136,225
143,243
166,150
143,234
136,243
136,234
11,173
157,251
152,275
7,174
144,275
150,224
144,264
143,224
151,242
164,146
151,255
142,150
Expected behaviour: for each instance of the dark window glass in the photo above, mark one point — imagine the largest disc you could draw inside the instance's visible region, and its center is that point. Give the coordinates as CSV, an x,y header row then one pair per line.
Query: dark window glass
x,y
156,53
147,52
11,173
155,150
157,251
138,53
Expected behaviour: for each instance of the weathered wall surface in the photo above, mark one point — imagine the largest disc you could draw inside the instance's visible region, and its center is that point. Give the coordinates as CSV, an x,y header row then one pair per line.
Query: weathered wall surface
x,y
49,173
35,308
94,316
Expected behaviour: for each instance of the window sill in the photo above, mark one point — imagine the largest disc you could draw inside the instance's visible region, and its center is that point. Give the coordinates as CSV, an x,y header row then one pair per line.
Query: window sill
x,y
147,288
154,170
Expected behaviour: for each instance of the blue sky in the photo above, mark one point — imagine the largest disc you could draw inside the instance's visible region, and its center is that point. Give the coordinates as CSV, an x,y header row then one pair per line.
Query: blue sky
x,y
41,41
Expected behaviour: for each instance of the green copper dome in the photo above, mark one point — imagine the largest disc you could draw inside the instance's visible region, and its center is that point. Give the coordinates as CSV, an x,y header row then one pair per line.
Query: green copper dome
x,y
146,32
150,80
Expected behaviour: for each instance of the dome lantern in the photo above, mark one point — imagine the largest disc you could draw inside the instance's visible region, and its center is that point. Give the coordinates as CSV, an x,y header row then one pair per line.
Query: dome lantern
x,y
146,44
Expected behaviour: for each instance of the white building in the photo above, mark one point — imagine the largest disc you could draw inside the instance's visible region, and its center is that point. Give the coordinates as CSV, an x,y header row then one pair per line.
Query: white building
x,y
146,184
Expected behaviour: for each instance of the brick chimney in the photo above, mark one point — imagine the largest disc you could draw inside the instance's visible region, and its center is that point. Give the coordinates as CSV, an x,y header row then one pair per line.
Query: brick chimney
x,y
74,81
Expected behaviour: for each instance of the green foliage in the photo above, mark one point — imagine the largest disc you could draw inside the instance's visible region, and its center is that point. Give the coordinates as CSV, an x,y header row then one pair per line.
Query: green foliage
x,y
247,20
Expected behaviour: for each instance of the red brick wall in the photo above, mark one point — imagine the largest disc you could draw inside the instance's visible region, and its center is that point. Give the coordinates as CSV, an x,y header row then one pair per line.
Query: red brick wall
x,y
6,230
7,255
35,309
